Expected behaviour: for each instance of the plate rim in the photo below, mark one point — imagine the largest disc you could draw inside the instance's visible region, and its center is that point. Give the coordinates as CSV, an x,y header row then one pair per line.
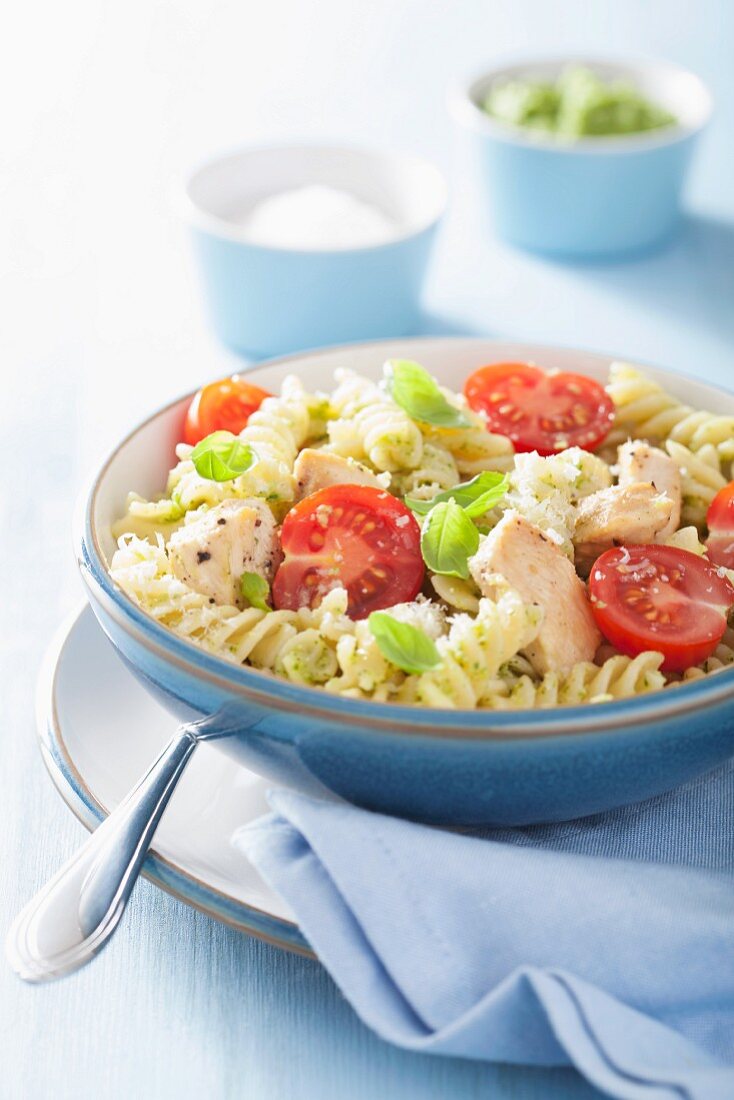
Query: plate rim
x,y
162,872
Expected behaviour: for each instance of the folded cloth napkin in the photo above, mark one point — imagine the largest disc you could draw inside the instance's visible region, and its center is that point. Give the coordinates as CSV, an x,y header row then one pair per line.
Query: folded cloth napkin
x,y
605,943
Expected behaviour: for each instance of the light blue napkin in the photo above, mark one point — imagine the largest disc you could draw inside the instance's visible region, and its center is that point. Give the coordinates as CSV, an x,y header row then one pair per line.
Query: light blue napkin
x,y
606,943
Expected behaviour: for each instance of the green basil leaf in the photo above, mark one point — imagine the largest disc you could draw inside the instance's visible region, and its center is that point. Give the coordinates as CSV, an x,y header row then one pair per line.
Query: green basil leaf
x,y
476,496
448,540
402,644
418,394
222,456
255,589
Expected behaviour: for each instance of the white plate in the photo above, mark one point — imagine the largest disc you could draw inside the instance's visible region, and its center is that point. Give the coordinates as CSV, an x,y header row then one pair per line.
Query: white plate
x,y
100,731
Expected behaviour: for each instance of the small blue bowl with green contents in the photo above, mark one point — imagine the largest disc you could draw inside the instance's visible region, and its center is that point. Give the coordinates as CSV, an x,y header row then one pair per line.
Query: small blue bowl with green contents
x,y
583,158
300,246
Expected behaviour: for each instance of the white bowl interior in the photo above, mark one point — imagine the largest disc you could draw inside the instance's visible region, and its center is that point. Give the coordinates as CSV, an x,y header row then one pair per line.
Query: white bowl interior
x,y
681,92
411,191
143,460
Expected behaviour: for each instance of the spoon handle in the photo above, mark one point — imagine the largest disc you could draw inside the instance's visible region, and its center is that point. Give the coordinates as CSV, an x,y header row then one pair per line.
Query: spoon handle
x,y
72,917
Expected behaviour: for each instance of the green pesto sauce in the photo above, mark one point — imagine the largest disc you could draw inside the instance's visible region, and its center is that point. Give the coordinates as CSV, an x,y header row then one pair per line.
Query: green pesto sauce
x,y
579,104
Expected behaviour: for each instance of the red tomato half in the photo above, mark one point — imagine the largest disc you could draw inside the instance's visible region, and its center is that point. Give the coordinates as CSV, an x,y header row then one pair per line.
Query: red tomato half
x,y
661,598
225,405
538,411
720,520
354,536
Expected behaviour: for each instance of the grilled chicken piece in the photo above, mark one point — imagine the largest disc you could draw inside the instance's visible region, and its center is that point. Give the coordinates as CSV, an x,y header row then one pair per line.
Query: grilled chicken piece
x,y
235,537
621,516
638,461
314,470
543,575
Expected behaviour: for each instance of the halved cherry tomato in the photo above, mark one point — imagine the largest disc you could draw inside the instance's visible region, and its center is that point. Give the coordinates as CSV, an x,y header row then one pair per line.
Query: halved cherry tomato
x,y
354,536
720,520
661,598
225,405
539,411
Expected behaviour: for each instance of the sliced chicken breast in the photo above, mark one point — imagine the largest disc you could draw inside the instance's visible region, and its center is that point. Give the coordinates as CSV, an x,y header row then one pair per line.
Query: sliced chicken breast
x,y
543,575
212,553
637,462
314,470
621,516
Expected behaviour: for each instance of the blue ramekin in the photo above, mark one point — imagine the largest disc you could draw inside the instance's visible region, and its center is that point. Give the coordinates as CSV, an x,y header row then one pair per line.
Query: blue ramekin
x,y
271,300
449,767
597,196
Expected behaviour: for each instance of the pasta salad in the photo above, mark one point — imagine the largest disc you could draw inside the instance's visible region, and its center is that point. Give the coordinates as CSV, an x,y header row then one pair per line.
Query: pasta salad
x,y
537,540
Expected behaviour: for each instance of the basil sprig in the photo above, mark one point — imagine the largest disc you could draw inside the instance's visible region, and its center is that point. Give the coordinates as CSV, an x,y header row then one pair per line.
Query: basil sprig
x,y
402,644
448,540
476,496
222,456
413,388
255,589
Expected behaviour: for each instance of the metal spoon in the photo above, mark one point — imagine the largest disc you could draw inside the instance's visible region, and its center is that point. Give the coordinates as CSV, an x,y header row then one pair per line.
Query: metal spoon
x,y
74,915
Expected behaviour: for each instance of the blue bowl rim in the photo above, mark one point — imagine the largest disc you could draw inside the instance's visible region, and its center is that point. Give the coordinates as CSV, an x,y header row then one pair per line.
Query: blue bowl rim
x,y
212,225
465,110
451,725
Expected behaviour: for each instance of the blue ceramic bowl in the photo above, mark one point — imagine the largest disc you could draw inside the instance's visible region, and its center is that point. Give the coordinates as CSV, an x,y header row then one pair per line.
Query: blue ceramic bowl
x,y
441,766
596,196
270,300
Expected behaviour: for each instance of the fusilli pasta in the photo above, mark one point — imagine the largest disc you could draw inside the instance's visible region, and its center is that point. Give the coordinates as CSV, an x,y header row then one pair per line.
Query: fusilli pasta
x,y
437,471
474,448
721,658
701,478
644,410
462,595
474,650
371,426
618,677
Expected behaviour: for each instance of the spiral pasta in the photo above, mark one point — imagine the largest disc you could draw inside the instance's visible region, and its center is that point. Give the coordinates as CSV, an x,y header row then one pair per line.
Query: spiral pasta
x,y
462,595
475,649
645,410
686,538
364,673
371,426
437,471
474,449
722,658
618,677
701,443
701,479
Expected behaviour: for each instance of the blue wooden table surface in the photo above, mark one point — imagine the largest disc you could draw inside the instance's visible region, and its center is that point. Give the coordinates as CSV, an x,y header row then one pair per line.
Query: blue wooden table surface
x,y
101,322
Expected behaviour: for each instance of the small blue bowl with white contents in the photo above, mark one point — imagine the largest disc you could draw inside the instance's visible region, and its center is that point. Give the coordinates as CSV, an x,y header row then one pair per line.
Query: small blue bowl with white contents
x,y
301,246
